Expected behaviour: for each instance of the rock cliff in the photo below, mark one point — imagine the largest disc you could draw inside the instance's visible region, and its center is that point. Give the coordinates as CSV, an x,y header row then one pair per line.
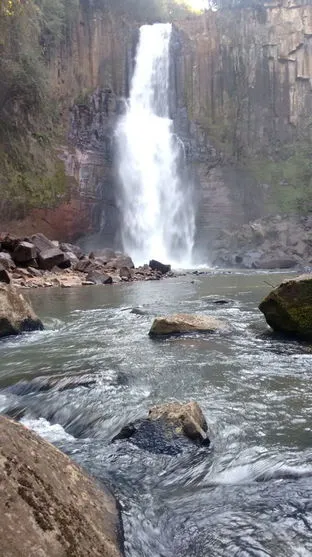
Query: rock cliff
x,y
241,100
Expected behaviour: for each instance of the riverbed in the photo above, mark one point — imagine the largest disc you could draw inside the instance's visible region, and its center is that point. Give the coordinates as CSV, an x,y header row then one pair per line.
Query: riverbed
x,y
94,369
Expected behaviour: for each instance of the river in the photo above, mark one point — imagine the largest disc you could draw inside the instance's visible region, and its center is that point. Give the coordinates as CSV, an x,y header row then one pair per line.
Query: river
x,y
250,493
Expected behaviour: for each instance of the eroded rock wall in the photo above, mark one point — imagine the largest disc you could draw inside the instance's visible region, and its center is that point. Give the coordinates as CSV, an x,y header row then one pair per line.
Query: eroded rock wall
x,y
241,101
244,87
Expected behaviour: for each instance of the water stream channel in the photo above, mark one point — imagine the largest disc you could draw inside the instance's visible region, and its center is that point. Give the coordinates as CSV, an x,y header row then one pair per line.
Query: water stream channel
x,y
94,369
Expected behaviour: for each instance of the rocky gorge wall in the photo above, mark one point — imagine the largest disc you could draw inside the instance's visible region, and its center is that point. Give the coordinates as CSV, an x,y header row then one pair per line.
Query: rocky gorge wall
x,y
241,101
245,81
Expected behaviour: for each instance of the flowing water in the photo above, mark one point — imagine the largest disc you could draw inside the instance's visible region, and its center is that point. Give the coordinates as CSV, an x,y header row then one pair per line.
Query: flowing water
x,y
94,369
157,208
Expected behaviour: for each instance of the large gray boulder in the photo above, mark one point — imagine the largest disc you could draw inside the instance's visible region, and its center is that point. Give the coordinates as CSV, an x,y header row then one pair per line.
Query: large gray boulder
x,y
181,323
16,314
168,429
49,506
288,308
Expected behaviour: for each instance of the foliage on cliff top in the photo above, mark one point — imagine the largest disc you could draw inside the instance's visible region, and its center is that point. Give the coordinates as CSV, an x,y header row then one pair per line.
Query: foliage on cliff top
x,y
146,11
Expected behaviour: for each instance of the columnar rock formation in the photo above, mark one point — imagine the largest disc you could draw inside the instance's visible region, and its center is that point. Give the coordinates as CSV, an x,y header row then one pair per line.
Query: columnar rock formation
x,y
241,100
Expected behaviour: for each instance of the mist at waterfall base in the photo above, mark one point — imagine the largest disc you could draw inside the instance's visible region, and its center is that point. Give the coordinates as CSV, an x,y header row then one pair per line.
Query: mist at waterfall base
x,y
155,202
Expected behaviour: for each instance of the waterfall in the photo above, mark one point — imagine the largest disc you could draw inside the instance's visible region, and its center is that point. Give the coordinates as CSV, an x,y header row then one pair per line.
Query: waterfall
x,y
156,205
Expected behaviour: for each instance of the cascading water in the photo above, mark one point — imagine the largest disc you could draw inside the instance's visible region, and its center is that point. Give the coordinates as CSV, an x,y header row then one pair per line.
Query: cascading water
x,y
157,207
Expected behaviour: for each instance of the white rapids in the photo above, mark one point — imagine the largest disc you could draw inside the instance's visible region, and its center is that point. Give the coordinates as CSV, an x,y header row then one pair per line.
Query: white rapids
x,y
156,205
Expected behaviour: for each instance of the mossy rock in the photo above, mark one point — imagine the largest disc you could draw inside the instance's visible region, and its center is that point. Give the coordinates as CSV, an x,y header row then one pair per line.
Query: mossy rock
x,y
288,308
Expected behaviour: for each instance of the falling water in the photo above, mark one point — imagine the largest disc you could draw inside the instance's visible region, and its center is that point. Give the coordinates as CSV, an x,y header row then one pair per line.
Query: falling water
x,y
157,208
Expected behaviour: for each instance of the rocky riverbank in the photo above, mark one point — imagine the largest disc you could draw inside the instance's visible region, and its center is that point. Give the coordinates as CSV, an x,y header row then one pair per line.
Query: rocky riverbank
x,y
275,242
36,261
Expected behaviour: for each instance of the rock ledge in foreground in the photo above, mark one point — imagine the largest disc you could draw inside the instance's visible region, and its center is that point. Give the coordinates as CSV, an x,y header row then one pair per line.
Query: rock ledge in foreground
x,y
288,308
16,314
185,323
49,506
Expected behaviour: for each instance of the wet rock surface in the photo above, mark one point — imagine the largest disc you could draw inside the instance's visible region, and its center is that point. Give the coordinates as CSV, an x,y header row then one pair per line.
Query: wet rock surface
x,y
288,308
168,429
181,323
16,314
50,507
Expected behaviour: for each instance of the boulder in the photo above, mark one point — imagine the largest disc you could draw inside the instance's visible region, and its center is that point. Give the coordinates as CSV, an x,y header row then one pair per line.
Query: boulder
x,y
41,242
168,428
157,266
4,275
24,252
83,265
185,323
97,277
8,242
288,308
105,254
73,259
49,506
50,258
6,261
121,261
16,314
125,272
66,263
71,248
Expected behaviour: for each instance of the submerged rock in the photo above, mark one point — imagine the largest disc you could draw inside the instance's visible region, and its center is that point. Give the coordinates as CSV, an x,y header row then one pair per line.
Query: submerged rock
x,y
16,314
288,308
168,428
185,323
49,506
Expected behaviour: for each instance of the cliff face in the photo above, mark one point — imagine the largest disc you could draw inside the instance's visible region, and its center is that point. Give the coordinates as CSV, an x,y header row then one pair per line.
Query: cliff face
x,y
88,74
241,100
245,80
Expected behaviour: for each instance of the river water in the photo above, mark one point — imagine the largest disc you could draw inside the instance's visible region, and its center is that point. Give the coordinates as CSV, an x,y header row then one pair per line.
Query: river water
x,y
250,493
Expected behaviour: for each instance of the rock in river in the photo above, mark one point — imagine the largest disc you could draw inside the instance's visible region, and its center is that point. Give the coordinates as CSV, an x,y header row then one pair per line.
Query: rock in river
x,y
168,428
49,506
288,308
185,323
16,314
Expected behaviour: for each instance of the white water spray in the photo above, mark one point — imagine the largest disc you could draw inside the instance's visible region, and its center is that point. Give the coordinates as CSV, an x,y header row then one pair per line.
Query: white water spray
x,y
157,209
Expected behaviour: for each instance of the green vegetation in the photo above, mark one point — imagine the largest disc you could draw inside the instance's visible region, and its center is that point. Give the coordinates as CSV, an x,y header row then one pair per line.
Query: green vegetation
x,y
290,179
145,10
30,31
